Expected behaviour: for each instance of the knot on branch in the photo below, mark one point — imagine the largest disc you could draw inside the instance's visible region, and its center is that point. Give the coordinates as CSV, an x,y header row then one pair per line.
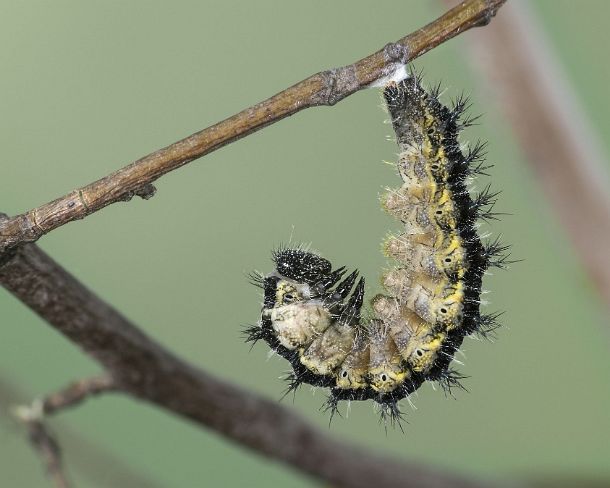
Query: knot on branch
x,y
145,192
29,413
396,52
339,83
8,247
489,13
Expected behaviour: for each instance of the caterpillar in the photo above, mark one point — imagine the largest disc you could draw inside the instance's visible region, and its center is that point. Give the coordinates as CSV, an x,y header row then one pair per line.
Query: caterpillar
x,y
312,314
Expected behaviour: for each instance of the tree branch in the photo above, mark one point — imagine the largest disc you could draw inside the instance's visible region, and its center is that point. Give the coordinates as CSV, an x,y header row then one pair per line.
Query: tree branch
x,y
49,450
87,458
146,370
76,393
324,88
43,441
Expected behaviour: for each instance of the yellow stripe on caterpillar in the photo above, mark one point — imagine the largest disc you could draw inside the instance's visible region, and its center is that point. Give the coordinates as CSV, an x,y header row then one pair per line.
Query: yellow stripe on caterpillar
x,y
434,213
448,260
437,301
423,349
353,373
426,162
414,338
441,306
387,369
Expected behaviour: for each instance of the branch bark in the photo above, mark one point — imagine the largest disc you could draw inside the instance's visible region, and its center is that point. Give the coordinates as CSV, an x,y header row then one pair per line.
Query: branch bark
x,y
144,369
47,447
324,88
76,393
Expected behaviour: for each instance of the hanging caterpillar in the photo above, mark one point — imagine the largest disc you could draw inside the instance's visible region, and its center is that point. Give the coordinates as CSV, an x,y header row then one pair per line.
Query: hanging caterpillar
x,y
311,313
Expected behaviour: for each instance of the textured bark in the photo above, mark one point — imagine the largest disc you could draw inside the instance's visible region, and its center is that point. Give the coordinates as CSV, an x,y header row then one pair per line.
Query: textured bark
x,y
324,88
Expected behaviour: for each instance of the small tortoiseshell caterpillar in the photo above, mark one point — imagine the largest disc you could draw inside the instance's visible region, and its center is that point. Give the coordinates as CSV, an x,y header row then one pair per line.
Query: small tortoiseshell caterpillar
x,y
312,314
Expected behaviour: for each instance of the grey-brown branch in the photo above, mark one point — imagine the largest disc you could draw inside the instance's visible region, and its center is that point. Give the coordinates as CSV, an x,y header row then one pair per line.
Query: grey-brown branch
x,y
325,88
143,368
47,447
76,393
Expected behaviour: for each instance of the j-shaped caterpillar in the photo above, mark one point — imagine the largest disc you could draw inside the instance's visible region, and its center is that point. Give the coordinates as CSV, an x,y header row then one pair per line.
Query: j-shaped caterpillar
x,y
312,314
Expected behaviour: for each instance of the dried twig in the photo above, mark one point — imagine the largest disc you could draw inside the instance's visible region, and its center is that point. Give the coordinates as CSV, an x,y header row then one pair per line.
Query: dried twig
x,y
43,441
76,393
49,451
87,458
553,131
324,88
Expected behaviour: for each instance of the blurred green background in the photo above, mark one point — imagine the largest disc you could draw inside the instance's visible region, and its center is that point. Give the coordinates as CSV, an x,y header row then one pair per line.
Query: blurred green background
x,y
87,87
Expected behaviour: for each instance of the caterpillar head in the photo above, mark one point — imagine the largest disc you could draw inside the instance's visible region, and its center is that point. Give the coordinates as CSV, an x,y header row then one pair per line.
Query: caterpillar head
x,y
288,303
295,316
294,301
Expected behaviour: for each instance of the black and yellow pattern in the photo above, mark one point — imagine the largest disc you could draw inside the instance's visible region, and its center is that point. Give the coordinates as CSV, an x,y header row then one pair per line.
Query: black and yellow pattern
x,y
311,315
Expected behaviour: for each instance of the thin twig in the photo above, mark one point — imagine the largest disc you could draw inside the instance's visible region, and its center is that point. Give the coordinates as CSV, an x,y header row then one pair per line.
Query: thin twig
x,y
76,393
87,458
49,451
561,147
43,441
324,88
146,370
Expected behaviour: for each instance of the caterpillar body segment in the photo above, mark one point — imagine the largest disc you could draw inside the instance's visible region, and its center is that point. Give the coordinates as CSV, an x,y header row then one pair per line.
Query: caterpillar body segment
x,y
353,372
312,314
299,324
329,350
387,370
